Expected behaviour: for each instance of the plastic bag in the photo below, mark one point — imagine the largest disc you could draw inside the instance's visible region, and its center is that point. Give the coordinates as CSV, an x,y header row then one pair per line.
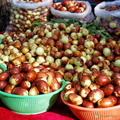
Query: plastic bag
x,y
31,5
102,13
23,14
85,16
108,17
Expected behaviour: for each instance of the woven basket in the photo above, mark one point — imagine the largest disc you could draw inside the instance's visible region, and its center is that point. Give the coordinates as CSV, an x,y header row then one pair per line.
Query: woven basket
x,y
5,6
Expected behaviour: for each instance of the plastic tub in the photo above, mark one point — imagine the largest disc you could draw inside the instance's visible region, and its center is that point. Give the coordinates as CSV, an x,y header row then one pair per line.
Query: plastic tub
x,y
31,104
111,113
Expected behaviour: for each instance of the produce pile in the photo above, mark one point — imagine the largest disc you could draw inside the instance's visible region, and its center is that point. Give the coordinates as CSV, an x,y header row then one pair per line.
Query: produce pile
x,y
21,19
70,6
85,55
111,8
28,80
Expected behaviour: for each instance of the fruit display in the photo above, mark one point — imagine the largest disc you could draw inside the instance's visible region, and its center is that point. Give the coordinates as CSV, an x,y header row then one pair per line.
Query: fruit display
x,y
111,8
93,90
86,56
70,6
56,46
88,61
21,19
78,10
23,14
28,80
111,25
108,15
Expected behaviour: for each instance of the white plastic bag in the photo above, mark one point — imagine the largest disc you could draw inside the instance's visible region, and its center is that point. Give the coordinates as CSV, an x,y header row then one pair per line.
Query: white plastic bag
x,y
85,16
100,12
110,20
31,5
23,14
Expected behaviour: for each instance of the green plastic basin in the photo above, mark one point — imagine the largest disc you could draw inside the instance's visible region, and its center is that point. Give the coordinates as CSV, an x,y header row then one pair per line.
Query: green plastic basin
x,y
31,104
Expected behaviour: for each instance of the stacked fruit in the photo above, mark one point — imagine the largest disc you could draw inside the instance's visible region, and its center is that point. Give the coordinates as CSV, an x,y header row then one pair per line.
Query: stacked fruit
x,y
21,19
70,6
88,61
28,80
111,8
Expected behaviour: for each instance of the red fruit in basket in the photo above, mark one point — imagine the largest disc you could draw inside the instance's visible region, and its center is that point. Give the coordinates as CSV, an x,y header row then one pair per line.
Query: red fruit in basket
x,y
23,74
15,79
102,80
14,70
58,7
113,98
72,9
94,86
81,41
43,87
108,89
99,47
105,102
88,104
54,5
75,99
116,81
20,91
4,75
84,92
59,45
33,91
78,11
68,91
116,75
118,101
3,84
26,67
94,75
65,2
116,69
117,91
58,76
95,95
68,86
31,75
68,76
25,84
50,73
54,66
54,84
83,5
63,9
76,85
9,65
85,81
95,59
9,88
42,75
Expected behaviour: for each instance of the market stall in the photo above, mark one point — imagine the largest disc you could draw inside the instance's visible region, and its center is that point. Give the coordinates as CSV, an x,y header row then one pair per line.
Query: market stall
x,y
60,61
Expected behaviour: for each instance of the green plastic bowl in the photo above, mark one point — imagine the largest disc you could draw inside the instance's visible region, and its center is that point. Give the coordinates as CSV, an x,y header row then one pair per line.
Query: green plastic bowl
x,y
31,104
3,67
0,40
